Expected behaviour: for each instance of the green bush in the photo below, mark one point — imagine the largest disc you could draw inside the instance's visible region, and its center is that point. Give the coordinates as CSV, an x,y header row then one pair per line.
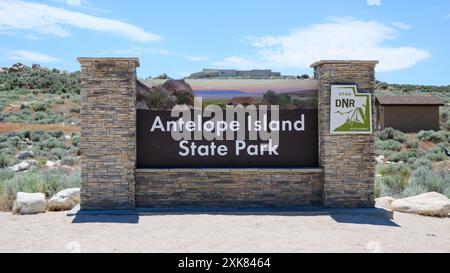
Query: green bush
x,y
5,174
393,169
75,110
4,161
447,125
436,154
432,136
413,190
404,156
380,188
76,139
69,161
390,144
447,192
431,180
395,184
422,163
445,115
392,134
412,144
39,106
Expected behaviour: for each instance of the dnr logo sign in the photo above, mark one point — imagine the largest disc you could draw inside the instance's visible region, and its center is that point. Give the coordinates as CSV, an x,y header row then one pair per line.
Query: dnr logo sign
x,y
351,112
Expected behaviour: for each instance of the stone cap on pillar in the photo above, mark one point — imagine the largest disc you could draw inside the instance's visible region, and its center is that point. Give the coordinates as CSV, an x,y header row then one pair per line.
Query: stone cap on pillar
x,y
108,59
319,63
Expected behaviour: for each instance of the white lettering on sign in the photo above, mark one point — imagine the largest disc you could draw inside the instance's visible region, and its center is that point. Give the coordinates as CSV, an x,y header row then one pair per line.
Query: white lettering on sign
x,y
251,124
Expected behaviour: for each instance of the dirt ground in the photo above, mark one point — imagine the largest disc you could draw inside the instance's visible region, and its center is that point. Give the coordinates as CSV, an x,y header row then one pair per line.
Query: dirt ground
x,y
56,232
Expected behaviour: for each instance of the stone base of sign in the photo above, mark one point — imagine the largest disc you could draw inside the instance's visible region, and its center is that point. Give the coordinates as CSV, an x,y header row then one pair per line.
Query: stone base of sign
x,y
228,188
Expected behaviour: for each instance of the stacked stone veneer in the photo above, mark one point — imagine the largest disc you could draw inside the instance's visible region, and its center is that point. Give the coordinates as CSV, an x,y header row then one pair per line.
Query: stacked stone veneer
x,y
233,188
108,145
347,160
108,132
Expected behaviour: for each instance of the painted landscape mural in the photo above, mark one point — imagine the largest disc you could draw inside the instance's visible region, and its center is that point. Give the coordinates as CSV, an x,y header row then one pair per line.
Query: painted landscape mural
x,y
289,94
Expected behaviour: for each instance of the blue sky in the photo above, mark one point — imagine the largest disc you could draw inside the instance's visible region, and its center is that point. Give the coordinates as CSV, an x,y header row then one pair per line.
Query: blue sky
x,y
411,38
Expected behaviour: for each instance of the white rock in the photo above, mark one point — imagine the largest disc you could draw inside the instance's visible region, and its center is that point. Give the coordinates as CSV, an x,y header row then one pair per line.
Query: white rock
x,y
67,168
29,203
380,159
33,162
64,200
67,137
428,204
52,165
22,166
384,202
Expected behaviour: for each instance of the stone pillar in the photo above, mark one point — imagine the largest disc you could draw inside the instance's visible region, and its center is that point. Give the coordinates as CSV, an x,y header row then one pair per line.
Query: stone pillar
x,y
348,160
108,132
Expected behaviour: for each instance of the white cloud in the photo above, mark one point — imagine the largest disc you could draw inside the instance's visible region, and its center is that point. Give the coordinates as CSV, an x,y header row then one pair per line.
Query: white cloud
x,y
139,51
340,38
401,25
374,2
43,19
74,3
29,56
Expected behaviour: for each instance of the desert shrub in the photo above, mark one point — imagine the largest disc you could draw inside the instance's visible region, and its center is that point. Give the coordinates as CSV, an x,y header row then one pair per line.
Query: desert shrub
x,y
447,125
422,163
404,156
445,115
4,161
75,110
5,174
69,161
431,180
39,136
413,190
392,134
394,179
76,139
395,184
58,153
49,144
39,106
380,188
57,134
48,182
447,192
436,154
24,107
432,136
390,144
412,144
393,169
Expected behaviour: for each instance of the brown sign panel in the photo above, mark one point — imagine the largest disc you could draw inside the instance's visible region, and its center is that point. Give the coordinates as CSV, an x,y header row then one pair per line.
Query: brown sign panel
x,y
296,148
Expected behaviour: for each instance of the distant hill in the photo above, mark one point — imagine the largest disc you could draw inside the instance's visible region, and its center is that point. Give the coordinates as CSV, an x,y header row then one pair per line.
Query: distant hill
x,y
39,78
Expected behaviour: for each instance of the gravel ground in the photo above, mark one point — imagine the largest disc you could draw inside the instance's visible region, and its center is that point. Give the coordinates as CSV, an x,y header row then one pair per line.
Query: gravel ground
x,y
56,232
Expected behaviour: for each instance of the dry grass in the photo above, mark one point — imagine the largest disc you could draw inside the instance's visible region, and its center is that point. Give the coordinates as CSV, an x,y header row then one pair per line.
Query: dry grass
x,y
6,127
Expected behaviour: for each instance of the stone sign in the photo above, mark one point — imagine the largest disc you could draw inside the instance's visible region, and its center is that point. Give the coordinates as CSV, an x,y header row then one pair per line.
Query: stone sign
x,y
121,169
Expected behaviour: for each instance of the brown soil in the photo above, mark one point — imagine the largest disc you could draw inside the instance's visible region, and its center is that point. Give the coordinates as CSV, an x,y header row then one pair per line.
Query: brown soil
x,y
6,127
